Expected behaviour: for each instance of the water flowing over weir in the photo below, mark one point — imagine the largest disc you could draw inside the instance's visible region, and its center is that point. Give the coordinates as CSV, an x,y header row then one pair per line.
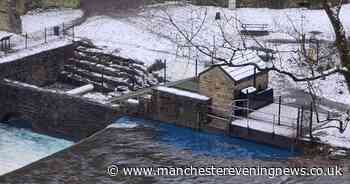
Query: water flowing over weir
x,y
138,143
20,147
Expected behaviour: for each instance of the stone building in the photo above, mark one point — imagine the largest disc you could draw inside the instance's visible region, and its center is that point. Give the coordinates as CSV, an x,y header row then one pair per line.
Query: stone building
x,y
180,107
223,84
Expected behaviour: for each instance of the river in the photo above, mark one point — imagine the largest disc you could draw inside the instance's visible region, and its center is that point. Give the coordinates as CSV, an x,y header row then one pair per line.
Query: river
x,y
138,143
20,147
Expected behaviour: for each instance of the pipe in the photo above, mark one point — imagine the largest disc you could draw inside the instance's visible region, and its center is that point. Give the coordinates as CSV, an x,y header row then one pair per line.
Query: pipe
x,y
81,90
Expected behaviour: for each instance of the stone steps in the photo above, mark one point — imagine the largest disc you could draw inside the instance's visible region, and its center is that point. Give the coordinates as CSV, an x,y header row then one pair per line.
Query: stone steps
x,y
110,82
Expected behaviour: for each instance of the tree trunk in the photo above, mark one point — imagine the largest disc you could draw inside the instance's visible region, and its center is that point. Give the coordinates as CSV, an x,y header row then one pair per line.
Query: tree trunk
x,y
341,40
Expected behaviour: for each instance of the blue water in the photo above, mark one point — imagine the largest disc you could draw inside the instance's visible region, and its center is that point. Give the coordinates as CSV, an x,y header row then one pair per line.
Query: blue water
x,y
208,144
20,147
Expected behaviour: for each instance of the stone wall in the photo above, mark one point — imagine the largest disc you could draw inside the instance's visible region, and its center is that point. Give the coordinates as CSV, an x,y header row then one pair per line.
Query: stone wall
x,y
60,3
216,84
54,113
39,69
25,5
262,137
9,18
180,110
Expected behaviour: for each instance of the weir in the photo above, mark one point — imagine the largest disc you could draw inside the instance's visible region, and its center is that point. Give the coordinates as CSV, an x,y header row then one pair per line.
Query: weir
x,y
26,92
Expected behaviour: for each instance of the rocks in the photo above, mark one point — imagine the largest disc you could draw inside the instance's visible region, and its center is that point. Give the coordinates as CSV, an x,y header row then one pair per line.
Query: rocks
x,y
337,154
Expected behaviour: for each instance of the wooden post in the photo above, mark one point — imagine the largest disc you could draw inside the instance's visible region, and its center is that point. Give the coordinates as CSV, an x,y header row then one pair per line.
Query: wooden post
x,y
317,51
279,110
63,31
73,30
198,120
254,77
310,124
341,126
196,67
214,50
26,41
102,78
165,77
273,125
328,115
298,123
301,120
45,36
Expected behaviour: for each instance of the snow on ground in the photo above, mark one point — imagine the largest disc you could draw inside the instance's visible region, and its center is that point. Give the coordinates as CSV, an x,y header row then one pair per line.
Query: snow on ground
x,y
280,20
34,50
333,137
98,97
262,119
135,43
265,127
150,36
38,21
4,34
334,88
182,93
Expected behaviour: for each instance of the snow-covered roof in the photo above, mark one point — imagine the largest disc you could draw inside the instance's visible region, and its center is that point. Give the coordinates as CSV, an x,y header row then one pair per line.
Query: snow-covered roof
x,y
243,57
248,90
182,93
4,34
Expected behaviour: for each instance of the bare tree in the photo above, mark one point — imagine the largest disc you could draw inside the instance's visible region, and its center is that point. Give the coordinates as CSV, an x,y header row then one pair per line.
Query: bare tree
x,y
230,48
333,9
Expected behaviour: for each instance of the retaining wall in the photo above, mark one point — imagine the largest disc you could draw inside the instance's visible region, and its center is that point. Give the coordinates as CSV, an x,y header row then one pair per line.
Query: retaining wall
x,y
53,113
39,68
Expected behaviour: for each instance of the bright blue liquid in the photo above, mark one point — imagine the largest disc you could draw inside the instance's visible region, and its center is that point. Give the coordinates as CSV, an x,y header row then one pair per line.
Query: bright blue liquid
x,y
209,144
20,147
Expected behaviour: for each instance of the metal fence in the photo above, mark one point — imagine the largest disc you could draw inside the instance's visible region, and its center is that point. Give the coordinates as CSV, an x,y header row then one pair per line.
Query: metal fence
x,y
39,38
301,120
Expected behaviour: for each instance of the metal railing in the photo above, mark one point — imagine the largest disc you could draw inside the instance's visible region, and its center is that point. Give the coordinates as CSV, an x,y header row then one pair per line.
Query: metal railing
x,y
39,38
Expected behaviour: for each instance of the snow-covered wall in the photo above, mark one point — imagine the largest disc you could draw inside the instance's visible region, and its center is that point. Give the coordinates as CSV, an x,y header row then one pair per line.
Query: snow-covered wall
x,y
38,68
54,113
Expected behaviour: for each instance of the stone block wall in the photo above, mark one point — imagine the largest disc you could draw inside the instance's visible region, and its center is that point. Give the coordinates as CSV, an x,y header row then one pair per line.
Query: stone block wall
x,y
38,69
217,85
53,113
31,4
60,3
180,110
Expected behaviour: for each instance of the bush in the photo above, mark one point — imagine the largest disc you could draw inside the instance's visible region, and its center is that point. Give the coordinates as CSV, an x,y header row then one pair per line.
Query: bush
x,y
156,66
